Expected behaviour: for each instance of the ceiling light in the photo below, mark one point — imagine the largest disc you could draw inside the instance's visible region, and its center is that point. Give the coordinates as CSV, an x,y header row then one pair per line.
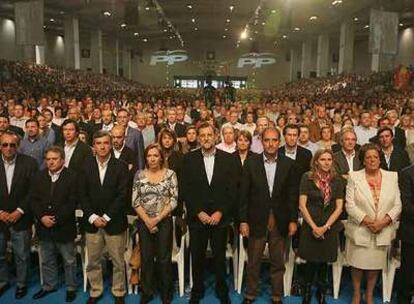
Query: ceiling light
x,y
243,35
62,12
145,40
356,19
228,20
250,38
123,25
52,20
401,24
136,34
366,26
196,28
336,2
284,36
147,8
312,18
107,14
193,20
226,29
224,36
296,29
256,32
263,23
273,11
171,37
165,30
190,6
231,7
44,26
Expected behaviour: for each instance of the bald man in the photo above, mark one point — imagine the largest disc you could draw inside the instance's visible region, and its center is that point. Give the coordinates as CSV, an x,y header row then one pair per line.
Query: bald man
x,y
122,152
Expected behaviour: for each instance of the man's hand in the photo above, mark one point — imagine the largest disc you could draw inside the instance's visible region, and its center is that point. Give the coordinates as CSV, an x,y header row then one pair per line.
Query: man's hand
x,y
244,230
4,216
319,232
293,227
14,216
151,223
48,221
204,218
100,222
215,218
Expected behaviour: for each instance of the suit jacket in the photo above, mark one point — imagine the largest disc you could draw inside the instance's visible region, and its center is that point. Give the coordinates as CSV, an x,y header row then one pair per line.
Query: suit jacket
x,y
109,198
58,199
25,168
406,228
360,203
135,142
399,160
199,195
341,165
129,158
16,130
303,158
338,147
179,129
82,151
256,202
58,133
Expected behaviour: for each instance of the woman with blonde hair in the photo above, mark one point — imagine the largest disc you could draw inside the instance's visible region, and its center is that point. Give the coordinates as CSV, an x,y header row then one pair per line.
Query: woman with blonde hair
x,y
321,203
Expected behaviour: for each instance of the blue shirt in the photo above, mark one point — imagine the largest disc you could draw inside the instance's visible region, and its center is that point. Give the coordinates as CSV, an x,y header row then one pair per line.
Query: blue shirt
x,y
35,148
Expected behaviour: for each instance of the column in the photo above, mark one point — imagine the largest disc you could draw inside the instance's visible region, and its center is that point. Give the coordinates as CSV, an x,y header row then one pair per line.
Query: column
x,y
126,62
294,64
29,28
72,49
117,57
97,51
306,58
346,47
40,54
383,39
322,63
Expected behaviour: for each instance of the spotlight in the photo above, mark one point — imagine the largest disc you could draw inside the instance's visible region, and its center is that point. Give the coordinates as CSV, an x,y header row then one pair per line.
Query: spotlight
x,y
243,35
107,14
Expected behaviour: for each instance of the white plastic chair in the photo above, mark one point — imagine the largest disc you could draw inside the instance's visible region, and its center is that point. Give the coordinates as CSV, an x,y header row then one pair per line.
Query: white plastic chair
x,y
82,250
128,253
178,257
388,274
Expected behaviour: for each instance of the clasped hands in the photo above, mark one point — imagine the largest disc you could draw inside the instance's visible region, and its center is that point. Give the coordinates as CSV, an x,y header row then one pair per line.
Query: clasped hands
x,y
100,222
319,232
245,230
212,220
10,217
151,223
376,225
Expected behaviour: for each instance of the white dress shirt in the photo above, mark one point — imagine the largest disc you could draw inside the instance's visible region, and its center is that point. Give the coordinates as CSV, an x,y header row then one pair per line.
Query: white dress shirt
x,y
107,128
291,153
69,149
9,167
209,164
55,176
364,134
117,153
270,166
350,160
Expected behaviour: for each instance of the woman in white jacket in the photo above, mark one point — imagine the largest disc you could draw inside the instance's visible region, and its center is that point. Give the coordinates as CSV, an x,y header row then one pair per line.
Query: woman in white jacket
x,y
373,204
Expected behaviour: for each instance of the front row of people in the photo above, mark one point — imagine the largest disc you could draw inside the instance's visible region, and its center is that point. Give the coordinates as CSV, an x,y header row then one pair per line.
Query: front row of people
x,y
265,200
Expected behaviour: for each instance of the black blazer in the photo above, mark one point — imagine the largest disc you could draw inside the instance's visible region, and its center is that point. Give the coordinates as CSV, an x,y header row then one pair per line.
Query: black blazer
x,y
82,151
398,140
341,165
179,129
240,165
256,202
109,198
399,160
303,159
406,228
59,200
130,159
199,196
25,168
58,133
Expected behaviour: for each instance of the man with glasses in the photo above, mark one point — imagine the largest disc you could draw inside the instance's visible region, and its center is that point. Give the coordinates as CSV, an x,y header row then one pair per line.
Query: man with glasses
x,y
16,172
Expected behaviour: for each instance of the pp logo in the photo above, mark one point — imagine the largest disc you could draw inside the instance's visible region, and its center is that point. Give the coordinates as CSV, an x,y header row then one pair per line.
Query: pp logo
x,y
169,57
256,60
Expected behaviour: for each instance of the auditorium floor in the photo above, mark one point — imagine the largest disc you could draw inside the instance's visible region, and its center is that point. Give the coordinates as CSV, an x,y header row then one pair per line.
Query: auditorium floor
x,y
59,296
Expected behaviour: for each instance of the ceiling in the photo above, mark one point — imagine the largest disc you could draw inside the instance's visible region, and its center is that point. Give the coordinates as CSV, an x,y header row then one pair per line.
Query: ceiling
x,y
176,22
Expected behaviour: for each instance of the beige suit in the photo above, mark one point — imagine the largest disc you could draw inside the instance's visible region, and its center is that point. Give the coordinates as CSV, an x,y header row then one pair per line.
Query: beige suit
x,y
364,249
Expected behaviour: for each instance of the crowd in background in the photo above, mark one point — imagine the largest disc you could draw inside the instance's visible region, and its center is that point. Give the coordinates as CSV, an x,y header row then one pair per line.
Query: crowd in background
x,y
324,150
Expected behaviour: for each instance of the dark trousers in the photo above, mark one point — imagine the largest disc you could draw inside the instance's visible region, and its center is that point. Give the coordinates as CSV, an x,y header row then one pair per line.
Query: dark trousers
x,y
199,237
50,269
406,270
20,241
320,270
255,250
159,246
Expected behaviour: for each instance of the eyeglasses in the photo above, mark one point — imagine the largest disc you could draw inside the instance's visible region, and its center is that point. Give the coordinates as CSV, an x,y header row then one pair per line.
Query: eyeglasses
x,y
11,145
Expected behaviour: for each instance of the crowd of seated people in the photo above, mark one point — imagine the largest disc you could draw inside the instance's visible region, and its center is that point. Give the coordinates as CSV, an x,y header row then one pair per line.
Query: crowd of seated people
x,y
334,152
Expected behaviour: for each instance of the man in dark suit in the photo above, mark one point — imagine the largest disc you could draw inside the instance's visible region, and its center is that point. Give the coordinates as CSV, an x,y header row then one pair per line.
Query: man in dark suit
x,y
347,159
5,126
172,124
53,199
399,140
291,149
268,212
48,115
133,137
209,192
75,114
393,158
75,150
121,151
103,196
16,173
405,233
